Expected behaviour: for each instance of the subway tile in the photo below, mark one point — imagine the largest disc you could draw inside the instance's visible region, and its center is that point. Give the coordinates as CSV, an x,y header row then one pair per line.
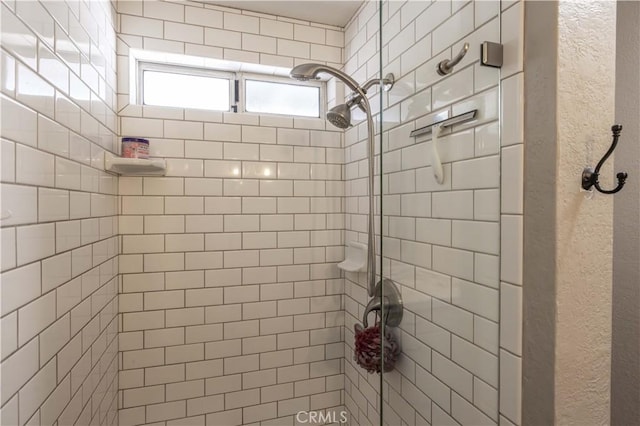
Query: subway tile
x,y
165,411
476,298
242,23
53,137
35,242
183,32
19,368
486,205
56,271
203,405
479,362
184,317
37,167
452,375
20,286
242,398
241,187
455,262
34,393
271,27
276,153
184,205
485,398
511,249
143,396
510,386
19,123
454,319
34,91
23,44
229,417
476,236
293,48
453,205
512,185
450,31
466,413
204,17
434,336
184,353
512,21
22,201
511,318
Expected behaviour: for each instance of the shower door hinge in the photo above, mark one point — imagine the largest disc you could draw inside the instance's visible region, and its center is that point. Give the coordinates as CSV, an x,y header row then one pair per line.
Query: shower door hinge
x,y
491,54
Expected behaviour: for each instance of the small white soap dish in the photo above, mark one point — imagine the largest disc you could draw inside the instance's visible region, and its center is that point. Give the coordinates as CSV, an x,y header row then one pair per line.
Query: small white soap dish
x,y
355,258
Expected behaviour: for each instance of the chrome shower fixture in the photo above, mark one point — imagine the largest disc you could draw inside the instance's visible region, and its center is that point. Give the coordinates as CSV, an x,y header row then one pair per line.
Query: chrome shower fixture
x,y
310,71
340,115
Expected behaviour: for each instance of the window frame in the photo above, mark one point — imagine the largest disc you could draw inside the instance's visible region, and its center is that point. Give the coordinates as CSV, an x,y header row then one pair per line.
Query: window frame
x,y
237,85
183,70
321,85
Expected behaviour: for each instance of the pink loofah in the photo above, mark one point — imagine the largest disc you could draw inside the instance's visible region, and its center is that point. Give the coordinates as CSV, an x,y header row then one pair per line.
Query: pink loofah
x,y
367,348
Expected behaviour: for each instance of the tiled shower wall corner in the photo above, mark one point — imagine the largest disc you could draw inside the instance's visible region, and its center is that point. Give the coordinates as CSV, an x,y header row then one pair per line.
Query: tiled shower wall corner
x,y
511,210
442,245
231,300
59,226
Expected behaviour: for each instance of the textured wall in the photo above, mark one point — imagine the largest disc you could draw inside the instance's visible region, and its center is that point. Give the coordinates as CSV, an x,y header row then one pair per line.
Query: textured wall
x,y
441,244
59,229
625,378
584,228
575,300
231,301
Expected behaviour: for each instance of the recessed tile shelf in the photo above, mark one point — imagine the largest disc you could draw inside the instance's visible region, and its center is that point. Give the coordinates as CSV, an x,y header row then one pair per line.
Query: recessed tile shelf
x,y
134,166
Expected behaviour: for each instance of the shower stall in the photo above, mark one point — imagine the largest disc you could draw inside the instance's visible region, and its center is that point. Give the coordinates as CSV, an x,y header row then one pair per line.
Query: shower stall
x,y
279,269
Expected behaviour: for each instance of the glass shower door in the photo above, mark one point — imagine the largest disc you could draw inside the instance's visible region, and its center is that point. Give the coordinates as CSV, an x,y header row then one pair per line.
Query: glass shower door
x,y
439,135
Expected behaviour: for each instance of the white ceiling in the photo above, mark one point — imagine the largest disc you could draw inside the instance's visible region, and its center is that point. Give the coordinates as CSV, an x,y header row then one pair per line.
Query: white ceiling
x,y
331,12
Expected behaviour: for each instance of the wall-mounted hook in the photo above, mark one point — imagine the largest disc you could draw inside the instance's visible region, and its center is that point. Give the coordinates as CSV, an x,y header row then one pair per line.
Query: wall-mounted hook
x,y
590,177
446,66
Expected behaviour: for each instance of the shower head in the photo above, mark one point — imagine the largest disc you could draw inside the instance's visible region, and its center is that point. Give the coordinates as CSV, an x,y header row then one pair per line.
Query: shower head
x,y
310,71
340,116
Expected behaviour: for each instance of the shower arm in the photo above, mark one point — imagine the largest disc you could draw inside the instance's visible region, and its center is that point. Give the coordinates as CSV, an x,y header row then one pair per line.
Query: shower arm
x,y
387,81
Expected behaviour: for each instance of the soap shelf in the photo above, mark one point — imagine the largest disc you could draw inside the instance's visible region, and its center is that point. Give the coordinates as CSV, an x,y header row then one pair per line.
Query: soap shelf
x,y
355,259
134,166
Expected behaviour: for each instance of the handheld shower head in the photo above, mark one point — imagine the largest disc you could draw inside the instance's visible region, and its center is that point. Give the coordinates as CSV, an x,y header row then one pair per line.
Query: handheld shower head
x,y
340,116
310,71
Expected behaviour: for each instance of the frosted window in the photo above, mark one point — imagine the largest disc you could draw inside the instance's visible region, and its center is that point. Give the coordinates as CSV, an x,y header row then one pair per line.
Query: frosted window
x,y
282,98
186,91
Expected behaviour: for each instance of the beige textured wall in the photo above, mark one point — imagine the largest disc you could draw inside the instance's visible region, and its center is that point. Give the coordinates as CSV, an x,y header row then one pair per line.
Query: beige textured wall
x,y
585,99
584,76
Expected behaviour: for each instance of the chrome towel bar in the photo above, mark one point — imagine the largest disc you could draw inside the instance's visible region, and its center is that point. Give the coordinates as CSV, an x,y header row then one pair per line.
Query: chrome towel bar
x,y
447,122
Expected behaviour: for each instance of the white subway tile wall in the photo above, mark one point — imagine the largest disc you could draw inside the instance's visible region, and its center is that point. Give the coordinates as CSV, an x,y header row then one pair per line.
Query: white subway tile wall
x,y
231,301
231,308
60,271
442,244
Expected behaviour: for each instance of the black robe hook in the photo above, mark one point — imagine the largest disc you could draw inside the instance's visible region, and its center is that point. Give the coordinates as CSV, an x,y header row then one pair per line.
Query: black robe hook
x,y
590,177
